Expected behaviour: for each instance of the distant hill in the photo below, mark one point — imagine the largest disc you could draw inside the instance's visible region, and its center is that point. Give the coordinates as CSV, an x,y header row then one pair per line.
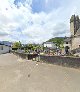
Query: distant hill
x,y
58,40
6,43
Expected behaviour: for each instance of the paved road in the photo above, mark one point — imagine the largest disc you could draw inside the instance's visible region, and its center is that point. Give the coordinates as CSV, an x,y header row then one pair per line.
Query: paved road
x,y
17,75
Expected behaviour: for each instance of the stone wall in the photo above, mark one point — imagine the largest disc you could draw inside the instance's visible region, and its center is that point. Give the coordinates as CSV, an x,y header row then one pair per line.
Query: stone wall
x,y
75,42
72,28
58,60
25,55
63,61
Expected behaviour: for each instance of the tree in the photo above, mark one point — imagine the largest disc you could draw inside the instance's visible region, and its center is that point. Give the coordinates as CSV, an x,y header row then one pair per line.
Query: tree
x,y
58,40
17,45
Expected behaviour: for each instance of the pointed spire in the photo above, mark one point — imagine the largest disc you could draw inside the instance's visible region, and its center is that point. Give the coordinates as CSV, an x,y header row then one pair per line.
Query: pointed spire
x,y
72,18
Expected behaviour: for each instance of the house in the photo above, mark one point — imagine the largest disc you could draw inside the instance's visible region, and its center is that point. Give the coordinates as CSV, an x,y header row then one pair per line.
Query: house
x,y
49,45
67,42
4,48
75,32
73,42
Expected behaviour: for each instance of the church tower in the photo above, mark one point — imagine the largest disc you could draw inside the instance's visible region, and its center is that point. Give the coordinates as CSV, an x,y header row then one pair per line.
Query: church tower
x,y
77,22
74,24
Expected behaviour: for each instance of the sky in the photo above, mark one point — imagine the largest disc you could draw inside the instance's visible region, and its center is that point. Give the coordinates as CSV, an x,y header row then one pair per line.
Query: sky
x,y
36,21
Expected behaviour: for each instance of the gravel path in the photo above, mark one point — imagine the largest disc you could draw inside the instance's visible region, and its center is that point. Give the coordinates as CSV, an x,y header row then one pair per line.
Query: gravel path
x,y
17,75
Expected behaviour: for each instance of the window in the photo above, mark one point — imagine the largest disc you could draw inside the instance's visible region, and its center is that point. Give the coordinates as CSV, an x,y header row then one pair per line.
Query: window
x,y
66,42
1,47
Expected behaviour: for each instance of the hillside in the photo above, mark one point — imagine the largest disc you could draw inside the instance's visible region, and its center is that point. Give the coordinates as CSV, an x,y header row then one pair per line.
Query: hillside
x,y
58,40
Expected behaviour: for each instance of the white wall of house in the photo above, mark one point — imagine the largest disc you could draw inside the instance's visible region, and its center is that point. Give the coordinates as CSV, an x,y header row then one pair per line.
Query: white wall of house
x,y
47,45
4,49
50,45
69,44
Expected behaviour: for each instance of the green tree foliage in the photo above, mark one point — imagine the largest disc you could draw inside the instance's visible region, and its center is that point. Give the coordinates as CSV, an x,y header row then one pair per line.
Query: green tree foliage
x,y
32,47
17,45
58,40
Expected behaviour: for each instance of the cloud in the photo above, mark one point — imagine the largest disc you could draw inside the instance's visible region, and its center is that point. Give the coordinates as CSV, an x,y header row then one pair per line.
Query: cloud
x,y
3,34
35,20
61,29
